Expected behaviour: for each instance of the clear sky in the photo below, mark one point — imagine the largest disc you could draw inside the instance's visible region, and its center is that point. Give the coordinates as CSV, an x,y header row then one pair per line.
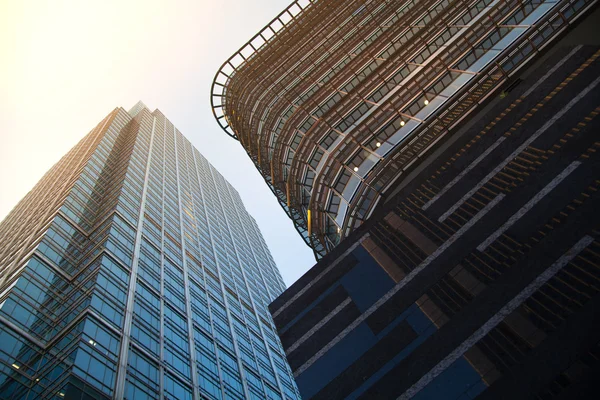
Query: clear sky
x,y
65,65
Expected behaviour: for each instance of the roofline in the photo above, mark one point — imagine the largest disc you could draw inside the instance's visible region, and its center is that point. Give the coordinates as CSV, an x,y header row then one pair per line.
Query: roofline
x,y
247,51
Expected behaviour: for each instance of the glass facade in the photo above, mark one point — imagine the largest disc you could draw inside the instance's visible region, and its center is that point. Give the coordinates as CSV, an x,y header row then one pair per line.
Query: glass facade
x,y
132,270
335,104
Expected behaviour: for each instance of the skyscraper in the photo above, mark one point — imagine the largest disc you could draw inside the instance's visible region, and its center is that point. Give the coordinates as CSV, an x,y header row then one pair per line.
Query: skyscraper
x,y
480,277
336,102
132,270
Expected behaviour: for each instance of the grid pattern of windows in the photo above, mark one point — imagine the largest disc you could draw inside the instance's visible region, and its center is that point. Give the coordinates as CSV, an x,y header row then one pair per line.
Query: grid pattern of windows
x,y
143,276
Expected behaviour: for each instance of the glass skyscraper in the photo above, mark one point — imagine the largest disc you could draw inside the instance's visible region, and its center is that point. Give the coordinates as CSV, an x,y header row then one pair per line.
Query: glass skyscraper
x,y
132,270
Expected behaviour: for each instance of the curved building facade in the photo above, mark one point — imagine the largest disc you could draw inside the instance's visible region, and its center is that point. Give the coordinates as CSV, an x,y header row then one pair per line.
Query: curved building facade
x,y
336,102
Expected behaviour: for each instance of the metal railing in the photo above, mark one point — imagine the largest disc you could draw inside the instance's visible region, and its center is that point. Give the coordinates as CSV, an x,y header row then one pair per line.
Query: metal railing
x,y
247,51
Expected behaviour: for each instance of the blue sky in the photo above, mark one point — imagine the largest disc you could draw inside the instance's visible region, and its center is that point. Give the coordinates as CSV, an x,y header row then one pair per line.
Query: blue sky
x,y
66,64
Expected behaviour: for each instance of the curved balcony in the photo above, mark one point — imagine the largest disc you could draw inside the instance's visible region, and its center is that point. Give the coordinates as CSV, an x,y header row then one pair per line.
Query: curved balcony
x,y
339,99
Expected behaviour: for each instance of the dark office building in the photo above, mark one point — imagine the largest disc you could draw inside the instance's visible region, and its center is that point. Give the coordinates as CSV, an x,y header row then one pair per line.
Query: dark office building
x,y
480,276
336,101
133,271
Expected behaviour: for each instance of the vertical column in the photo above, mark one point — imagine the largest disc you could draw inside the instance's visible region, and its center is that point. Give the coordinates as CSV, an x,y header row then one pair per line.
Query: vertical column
x,y
161,371
125,338
185,277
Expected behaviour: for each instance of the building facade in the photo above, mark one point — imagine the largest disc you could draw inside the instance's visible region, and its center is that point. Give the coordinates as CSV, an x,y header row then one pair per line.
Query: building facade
x,y
337,101
480,276
132,271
